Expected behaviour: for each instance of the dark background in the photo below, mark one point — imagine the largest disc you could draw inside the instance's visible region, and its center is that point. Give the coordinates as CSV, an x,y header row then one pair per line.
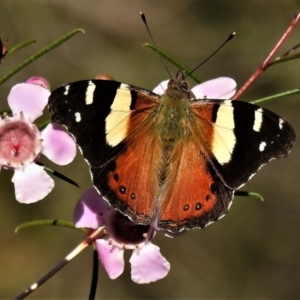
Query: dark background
x,y
254,251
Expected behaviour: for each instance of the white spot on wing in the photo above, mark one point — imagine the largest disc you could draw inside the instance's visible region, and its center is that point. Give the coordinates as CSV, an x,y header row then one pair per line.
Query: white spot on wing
x,y
89,94
258,119
77,117
117,120
229,205
262,146
221,217
224,138
66,89
209,223
281,123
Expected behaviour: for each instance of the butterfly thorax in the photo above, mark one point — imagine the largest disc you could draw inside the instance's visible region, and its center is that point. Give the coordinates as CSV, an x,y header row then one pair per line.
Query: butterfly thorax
x,y
173,116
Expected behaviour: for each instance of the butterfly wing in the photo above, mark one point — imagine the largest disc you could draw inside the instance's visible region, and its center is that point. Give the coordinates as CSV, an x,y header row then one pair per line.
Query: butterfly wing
x,y
228,142
193,194
130,181
112,123
245,138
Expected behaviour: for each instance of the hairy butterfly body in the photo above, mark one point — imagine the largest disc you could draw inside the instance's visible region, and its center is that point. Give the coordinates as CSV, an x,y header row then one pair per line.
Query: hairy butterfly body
x,y
168,158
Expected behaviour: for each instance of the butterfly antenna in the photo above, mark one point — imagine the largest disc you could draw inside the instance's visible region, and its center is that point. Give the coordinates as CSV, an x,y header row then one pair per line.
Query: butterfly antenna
x,y
232,35
146,24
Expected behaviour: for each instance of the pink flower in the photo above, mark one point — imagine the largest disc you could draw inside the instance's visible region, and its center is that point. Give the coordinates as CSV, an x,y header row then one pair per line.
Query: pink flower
x,y
218,88
21,143
147,263
39,81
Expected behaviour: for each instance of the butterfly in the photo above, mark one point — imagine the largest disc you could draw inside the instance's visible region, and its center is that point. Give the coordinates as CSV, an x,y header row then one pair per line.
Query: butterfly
x,y
170,159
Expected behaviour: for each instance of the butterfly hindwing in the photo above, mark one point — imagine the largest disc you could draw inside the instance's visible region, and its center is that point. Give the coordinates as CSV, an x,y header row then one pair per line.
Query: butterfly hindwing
x,y
193,194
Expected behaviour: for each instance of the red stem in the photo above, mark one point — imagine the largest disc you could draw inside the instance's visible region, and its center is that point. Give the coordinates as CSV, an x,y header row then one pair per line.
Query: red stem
x,y
264,65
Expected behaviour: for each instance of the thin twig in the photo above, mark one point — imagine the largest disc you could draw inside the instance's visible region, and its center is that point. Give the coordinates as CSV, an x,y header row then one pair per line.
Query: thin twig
x,y
264,65
98,233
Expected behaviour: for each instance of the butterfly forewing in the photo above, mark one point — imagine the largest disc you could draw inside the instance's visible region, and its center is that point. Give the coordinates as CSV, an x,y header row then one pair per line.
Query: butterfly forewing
x,y
90,112
112,124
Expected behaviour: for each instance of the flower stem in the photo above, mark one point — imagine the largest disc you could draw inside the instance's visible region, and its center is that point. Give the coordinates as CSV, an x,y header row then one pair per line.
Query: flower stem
x,y
276,96
282,59
39,54
57,174
98,233
267,61
48,222
20,46
94,282
249,194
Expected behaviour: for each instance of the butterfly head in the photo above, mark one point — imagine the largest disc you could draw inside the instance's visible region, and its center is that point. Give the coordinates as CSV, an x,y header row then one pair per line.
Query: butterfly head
x,y
178,83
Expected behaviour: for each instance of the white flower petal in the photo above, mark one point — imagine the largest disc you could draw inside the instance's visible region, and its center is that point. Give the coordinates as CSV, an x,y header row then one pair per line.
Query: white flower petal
x,y
218,88
111,258
148,264
32,183
29,99
58,146
161,88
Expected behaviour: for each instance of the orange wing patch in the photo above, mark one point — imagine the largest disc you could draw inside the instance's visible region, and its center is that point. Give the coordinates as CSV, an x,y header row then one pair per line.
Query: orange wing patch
x,y
194,195
134,179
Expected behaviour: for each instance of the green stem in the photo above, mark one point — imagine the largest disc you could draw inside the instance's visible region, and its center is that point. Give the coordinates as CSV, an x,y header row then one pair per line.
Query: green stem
x,y
249,194
276,96
49,222
280,59
20,46
173,61
39,54
57,174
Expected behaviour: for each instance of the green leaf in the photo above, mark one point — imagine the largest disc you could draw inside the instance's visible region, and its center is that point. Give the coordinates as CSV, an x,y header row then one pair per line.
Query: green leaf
x,y
48,222
173,61
39,54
